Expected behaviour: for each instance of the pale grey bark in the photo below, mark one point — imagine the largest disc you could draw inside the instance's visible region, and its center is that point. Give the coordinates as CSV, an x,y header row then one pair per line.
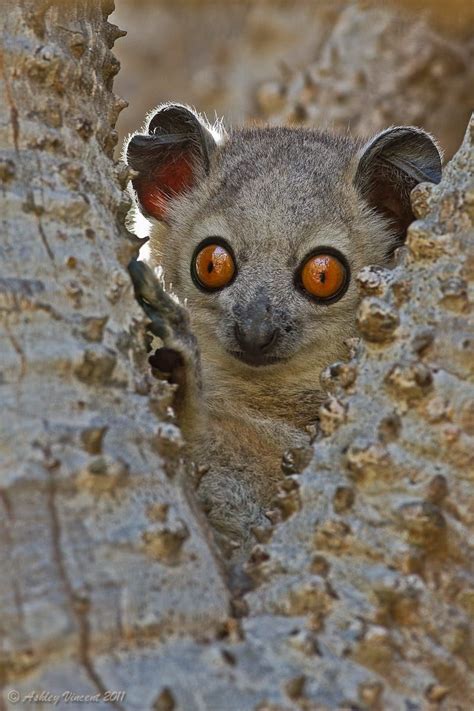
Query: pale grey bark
x,y
99,546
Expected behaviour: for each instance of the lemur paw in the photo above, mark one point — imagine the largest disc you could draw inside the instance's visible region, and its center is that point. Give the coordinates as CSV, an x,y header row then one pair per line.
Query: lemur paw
x,y
167,316
169,321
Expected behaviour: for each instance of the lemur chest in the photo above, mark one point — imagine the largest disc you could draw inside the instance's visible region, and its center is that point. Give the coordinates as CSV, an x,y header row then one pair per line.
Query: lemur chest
x,y
247,434
248,447
278,413
250,423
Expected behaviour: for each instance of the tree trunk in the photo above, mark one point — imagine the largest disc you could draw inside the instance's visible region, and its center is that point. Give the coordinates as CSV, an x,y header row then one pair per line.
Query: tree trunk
x,y
98,546
363,596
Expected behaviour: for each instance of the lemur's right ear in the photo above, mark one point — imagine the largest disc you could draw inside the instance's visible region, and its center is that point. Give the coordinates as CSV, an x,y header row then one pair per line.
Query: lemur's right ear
x,y
170,158
389,167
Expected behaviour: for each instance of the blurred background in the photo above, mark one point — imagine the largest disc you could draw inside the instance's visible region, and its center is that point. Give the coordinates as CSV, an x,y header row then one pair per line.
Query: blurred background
x,y
357,66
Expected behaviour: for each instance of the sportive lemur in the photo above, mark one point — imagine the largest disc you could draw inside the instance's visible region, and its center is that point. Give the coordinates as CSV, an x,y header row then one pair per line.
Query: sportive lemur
x,y
259,234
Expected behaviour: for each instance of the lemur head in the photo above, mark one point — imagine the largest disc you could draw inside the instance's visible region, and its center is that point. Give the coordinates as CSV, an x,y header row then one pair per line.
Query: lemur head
x,y
263,230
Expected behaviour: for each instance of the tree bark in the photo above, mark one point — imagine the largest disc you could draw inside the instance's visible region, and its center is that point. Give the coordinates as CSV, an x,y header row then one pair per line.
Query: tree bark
x,y
99,546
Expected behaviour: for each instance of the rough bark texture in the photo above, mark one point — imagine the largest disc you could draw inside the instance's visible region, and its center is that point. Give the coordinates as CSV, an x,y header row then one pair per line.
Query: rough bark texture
x,y
364,596
98,543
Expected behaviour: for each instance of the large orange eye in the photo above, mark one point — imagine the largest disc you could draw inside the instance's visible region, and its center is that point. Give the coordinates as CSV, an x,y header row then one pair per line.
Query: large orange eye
x,y
213,266
324,276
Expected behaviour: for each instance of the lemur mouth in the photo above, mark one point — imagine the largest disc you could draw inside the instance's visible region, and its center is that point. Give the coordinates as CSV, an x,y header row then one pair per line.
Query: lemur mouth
x,y
256,360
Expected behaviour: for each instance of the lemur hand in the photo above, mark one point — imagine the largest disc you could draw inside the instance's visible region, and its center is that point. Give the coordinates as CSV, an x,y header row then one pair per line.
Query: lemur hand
x,y
178,360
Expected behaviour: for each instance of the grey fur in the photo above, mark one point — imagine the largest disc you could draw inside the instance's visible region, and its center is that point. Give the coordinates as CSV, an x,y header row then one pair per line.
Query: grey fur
x,y
274,194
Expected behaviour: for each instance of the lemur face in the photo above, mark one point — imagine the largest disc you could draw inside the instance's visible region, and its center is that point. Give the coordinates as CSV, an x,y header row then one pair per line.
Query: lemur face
x,y
264,230
267,303
261,320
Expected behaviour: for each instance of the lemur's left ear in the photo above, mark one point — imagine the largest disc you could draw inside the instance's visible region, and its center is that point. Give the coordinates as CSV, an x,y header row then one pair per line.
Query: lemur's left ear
x,y
170,158
390,165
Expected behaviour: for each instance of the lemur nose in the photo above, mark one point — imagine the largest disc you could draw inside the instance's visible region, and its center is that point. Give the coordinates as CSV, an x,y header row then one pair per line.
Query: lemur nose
x,y
256,337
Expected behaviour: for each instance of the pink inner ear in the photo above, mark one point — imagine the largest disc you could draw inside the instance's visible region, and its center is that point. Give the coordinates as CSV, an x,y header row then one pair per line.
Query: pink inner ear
x,y
169,180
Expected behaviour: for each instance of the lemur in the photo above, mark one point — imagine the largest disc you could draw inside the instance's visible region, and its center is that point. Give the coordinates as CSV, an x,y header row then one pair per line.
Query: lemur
x,y
259,234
